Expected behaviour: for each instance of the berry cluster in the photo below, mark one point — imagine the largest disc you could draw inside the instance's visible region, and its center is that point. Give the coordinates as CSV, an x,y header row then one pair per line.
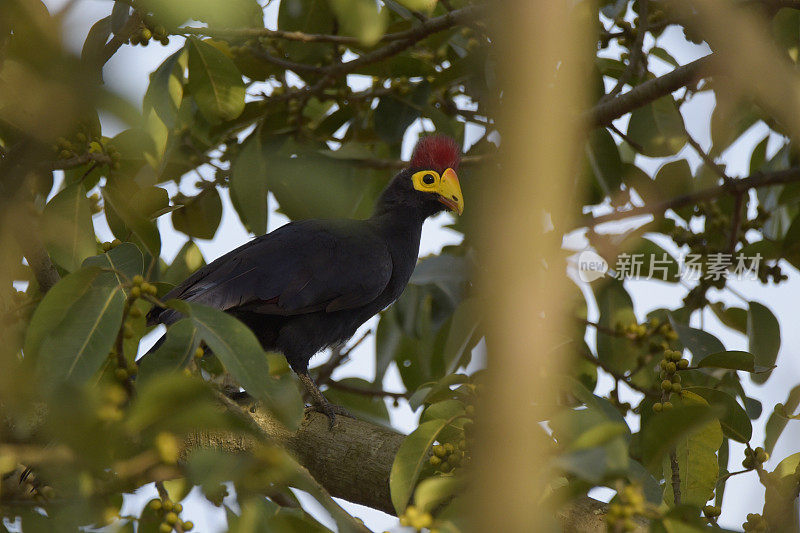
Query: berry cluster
x,y
84,142
447,457
413,517
148,30
755,522
628,503
754,458
711,512
169,513
141,287
106,246
114,399
94,204
670,380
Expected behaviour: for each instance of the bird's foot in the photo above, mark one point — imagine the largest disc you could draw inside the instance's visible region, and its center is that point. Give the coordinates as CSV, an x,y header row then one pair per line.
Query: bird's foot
x,y
330,410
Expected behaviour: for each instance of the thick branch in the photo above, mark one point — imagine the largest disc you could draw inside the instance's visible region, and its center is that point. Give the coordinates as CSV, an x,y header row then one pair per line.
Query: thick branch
x,y
604,113
353,462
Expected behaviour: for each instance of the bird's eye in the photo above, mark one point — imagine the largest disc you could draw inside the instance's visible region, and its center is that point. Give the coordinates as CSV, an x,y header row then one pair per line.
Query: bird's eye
x,y
428,179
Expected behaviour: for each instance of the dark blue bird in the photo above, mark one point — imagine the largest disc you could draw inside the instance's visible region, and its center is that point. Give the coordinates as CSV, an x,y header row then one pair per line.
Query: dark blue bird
x,y
310,284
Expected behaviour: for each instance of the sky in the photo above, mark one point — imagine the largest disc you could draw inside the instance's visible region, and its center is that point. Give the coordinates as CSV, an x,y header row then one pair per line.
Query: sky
x,y
127,73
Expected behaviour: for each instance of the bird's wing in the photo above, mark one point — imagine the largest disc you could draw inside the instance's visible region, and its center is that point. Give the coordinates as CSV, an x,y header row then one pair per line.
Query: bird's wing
x,y
302,267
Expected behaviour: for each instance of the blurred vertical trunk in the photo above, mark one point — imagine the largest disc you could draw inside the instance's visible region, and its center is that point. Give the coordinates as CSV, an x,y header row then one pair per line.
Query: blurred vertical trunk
x,y
543,46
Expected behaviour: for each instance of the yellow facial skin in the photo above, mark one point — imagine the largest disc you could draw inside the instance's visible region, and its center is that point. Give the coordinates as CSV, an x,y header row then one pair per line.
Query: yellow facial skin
x,y
445,186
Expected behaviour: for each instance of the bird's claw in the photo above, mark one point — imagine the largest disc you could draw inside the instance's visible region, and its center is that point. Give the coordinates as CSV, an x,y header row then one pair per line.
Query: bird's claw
x,y
330,410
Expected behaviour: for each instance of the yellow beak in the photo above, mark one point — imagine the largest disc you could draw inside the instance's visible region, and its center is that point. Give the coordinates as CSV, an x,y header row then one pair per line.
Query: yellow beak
x,y
449,191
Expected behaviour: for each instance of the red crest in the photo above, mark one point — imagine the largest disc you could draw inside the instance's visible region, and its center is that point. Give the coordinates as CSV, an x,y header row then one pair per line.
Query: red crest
x,y
436,152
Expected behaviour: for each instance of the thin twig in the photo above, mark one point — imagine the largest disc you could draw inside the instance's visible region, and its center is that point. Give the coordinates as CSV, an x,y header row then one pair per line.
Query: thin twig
x,y
624,136
676,477
619,377
337,357
704,156
77,161
366,392
637,57
736,222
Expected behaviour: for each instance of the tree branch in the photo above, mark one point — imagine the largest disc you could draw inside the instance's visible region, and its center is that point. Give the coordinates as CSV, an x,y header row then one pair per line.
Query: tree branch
x,y
734,187
353,461
637,57
604,113
676,477
416,33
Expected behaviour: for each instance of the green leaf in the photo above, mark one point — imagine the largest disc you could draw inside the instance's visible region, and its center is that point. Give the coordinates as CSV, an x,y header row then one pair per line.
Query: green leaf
x,y
125,260
178,348
463,326
364,407
200,215
165,91
777,420
307,16
733,360
67,229
178,404
143,229
238,349
699,342
594,441
658,128
696,451
673,179
394,115
360,18
666,429
602,155
733,418
231,14
189,259
249,185
786,29
215,82
764,338
599,435
432,492
55,305
615,307
663,55
75,325
310,185
92,53
657,263
423,6
733,317
410,459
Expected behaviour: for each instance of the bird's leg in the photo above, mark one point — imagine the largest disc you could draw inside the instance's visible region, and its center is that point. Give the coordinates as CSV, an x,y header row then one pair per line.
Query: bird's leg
x,y
320,404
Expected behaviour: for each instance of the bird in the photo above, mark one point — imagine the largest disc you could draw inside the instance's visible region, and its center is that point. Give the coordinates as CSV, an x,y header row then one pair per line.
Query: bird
x,y
309,284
